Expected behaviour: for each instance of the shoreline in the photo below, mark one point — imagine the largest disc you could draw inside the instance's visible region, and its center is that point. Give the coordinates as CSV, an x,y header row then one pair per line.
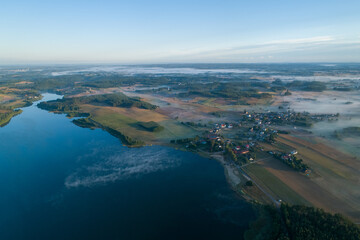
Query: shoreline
x,y
257,191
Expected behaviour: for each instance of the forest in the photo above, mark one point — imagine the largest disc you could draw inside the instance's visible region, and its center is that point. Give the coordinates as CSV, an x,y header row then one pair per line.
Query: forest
x,y
300,223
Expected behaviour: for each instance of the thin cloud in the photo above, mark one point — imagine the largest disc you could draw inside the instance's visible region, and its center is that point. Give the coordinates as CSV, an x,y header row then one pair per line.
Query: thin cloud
x,y
318,39
256,52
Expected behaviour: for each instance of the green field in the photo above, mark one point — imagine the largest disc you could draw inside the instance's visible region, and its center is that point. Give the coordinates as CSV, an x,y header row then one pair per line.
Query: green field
x,y
269,181
130,127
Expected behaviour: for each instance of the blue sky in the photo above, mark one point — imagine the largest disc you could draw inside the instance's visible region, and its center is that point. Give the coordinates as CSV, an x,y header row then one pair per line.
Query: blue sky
x,y
135,31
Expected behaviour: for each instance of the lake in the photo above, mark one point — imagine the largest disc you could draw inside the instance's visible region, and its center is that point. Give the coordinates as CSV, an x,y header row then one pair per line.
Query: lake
x,y
60,181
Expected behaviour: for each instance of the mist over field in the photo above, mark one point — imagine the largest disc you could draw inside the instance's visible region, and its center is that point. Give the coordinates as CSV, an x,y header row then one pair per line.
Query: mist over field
x,y
136,120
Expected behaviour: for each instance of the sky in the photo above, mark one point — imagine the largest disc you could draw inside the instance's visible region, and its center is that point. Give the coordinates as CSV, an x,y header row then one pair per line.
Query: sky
x,y
172,31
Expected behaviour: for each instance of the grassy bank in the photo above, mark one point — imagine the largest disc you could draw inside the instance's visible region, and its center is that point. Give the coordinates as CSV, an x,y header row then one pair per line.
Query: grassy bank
x,y
5,117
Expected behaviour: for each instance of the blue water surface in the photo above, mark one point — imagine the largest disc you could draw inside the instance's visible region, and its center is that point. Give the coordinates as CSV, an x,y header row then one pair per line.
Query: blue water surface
x,y
61,181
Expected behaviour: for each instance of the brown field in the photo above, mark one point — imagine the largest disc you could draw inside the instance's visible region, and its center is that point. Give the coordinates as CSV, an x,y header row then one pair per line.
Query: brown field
x,y
10,97
3,111
170,108
323,150
23,83
6,97
310,190
176,108
334,183
138,114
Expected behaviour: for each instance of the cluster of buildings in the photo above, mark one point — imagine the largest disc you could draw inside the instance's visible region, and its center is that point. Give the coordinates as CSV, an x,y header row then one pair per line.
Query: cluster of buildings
x,y
278,118
260,133
219,126
241,150
254,127
214,133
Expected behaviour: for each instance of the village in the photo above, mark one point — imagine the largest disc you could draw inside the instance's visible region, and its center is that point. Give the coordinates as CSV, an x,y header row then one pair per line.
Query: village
x,y
239,141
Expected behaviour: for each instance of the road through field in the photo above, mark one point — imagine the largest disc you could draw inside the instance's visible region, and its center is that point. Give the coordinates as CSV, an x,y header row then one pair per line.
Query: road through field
x,y
309,190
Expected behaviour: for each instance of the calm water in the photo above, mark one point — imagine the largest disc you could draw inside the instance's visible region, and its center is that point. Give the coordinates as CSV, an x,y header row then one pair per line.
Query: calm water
x,y
60,181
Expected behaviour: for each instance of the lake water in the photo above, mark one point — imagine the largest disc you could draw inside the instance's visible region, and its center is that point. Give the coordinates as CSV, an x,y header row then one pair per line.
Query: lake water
x,y
60,181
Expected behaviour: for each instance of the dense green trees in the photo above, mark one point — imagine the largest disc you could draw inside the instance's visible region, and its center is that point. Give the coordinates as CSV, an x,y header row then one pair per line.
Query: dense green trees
x,y
116,100
301,223
313,86
241,90
230,153
292,161
150,126
69,105
131,142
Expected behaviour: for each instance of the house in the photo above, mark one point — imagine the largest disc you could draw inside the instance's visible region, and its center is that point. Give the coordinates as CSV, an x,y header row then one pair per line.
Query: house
x,y
294,152
285,157
244,151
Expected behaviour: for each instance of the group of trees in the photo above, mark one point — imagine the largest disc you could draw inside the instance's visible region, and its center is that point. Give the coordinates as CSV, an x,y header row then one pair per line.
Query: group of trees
x,y
301,223
230,153
89,123
85,123
314,86
185,140
193,124
292,161
150,126
115,100
198,143
228,93
124,138
230,90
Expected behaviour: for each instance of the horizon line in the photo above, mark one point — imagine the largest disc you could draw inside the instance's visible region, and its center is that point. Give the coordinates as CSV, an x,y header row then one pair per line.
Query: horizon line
x,y
172,63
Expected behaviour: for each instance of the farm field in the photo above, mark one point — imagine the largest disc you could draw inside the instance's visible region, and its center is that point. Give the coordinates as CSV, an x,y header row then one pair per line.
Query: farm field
x,y
125,119
273,184
333,185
